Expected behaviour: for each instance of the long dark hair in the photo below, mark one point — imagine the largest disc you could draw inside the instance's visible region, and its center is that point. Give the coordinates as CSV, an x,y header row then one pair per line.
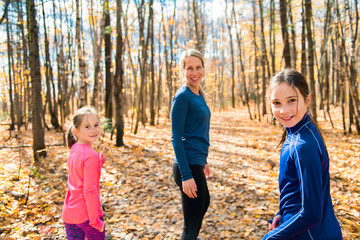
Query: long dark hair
x,y
76,122
295,80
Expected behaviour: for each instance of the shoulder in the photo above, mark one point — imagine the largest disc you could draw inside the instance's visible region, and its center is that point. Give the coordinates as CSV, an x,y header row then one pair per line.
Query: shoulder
x,y
307,146
90,154
182,93
182,96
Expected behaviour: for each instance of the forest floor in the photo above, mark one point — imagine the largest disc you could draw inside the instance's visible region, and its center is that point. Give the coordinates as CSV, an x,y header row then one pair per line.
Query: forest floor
x,y
140,198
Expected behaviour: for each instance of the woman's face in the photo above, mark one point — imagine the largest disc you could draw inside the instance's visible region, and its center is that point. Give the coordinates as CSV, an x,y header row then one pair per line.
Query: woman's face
x,y
288,105
194,72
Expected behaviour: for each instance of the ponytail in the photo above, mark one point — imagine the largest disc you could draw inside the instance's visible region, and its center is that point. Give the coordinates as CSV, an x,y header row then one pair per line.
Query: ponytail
x,y
71,140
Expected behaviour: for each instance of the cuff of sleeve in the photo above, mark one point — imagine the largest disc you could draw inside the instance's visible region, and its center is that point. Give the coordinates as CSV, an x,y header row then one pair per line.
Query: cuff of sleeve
x,y
98,224
187,177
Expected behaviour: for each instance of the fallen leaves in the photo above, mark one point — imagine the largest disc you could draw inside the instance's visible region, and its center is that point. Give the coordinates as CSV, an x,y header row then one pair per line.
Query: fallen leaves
x,y
140,199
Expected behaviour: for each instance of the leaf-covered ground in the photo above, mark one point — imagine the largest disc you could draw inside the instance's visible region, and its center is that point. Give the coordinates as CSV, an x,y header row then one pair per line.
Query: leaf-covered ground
x,y
140,198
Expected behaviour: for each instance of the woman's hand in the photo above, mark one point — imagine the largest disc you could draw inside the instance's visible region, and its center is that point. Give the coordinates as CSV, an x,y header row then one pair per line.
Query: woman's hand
x,y
189,188
207,171
275,222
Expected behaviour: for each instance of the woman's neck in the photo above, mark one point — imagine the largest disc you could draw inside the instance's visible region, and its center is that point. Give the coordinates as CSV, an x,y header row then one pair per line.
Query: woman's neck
x,y
195,90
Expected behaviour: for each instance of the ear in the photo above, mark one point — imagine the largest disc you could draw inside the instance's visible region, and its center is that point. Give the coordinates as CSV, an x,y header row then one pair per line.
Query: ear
x,y
308,100
75,131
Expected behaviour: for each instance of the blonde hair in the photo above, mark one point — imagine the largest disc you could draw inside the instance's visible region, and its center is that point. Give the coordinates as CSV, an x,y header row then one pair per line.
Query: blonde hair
x,y
76,122
191,53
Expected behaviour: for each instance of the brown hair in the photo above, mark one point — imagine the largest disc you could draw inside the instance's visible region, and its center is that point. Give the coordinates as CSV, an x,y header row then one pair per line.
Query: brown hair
x,y
295,80
76,122
191,53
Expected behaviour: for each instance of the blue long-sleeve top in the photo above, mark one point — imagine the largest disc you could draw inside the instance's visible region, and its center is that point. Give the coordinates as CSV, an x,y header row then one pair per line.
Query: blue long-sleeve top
x,y
305,203
190,123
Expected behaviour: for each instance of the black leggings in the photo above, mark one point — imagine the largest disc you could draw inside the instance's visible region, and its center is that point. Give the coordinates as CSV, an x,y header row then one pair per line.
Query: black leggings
x,y
194,209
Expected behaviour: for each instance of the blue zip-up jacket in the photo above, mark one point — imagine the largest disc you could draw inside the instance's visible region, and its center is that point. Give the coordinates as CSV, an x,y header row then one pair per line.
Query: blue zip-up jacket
x,y
305,203
190,123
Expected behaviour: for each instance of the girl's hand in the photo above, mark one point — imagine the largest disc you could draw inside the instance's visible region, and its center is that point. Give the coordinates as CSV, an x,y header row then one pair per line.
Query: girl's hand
x,y
102,157
103,227
275,222
189,188
207,171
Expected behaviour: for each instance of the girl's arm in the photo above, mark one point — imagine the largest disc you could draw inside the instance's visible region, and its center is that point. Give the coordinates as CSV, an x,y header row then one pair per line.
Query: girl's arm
x,y
307,158
91,190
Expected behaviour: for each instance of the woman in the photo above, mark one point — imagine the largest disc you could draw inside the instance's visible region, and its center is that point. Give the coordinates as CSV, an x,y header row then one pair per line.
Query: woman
x,y
190,122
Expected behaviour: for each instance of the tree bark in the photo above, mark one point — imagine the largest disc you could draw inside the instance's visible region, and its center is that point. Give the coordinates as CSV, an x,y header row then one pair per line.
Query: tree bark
x,y
10,53
285,34
308,13
152,67
81,60
119,78
108,74
49,74
229,25
37,106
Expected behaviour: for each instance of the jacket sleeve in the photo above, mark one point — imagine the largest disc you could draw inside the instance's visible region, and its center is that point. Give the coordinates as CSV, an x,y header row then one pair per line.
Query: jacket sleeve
x,y
91,190
179,109
307,158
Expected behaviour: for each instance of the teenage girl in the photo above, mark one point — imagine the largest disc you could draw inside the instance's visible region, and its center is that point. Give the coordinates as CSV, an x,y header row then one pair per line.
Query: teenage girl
x,y
82,214
306,210
190,122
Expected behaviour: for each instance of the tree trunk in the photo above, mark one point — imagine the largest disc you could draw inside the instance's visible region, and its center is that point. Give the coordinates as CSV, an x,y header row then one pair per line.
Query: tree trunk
x,y
152,67
119,78
285,34
303,42
37,107
108,74
256,75
81,60
242,65
264,59
229,25
293,38
10,53
97,46
353,89
272,39
308,13
49,75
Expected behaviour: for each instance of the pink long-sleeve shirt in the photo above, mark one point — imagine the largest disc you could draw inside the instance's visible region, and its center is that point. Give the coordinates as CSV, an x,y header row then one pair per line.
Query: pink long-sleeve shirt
x,y
82,201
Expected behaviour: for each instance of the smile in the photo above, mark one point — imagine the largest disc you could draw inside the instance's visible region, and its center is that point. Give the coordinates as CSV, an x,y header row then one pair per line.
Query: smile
x,y
288,118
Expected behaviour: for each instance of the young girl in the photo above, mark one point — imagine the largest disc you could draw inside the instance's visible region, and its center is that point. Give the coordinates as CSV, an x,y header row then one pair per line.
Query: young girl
x,y
190,122
306,210
82,214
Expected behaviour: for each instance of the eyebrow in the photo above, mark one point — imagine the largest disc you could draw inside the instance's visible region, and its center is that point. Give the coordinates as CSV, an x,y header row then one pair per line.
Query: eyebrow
x,y
286,98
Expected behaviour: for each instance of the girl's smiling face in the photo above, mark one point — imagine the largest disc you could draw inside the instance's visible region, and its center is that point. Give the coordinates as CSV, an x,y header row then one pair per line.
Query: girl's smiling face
x,y
288,105
89,129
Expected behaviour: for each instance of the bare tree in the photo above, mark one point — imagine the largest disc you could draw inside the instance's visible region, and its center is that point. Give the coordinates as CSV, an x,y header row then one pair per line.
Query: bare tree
x,y
81,59
311,56
285,34
108,74
229,23
119,78
37,106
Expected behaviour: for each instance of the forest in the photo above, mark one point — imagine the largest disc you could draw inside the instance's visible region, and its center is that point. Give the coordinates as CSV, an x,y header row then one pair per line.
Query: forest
x,y
122,57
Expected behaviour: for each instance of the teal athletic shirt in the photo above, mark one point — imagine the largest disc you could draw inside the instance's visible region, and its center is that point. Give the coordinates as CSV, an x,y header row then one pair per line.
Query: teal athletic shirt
x,y
305,202
190,123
